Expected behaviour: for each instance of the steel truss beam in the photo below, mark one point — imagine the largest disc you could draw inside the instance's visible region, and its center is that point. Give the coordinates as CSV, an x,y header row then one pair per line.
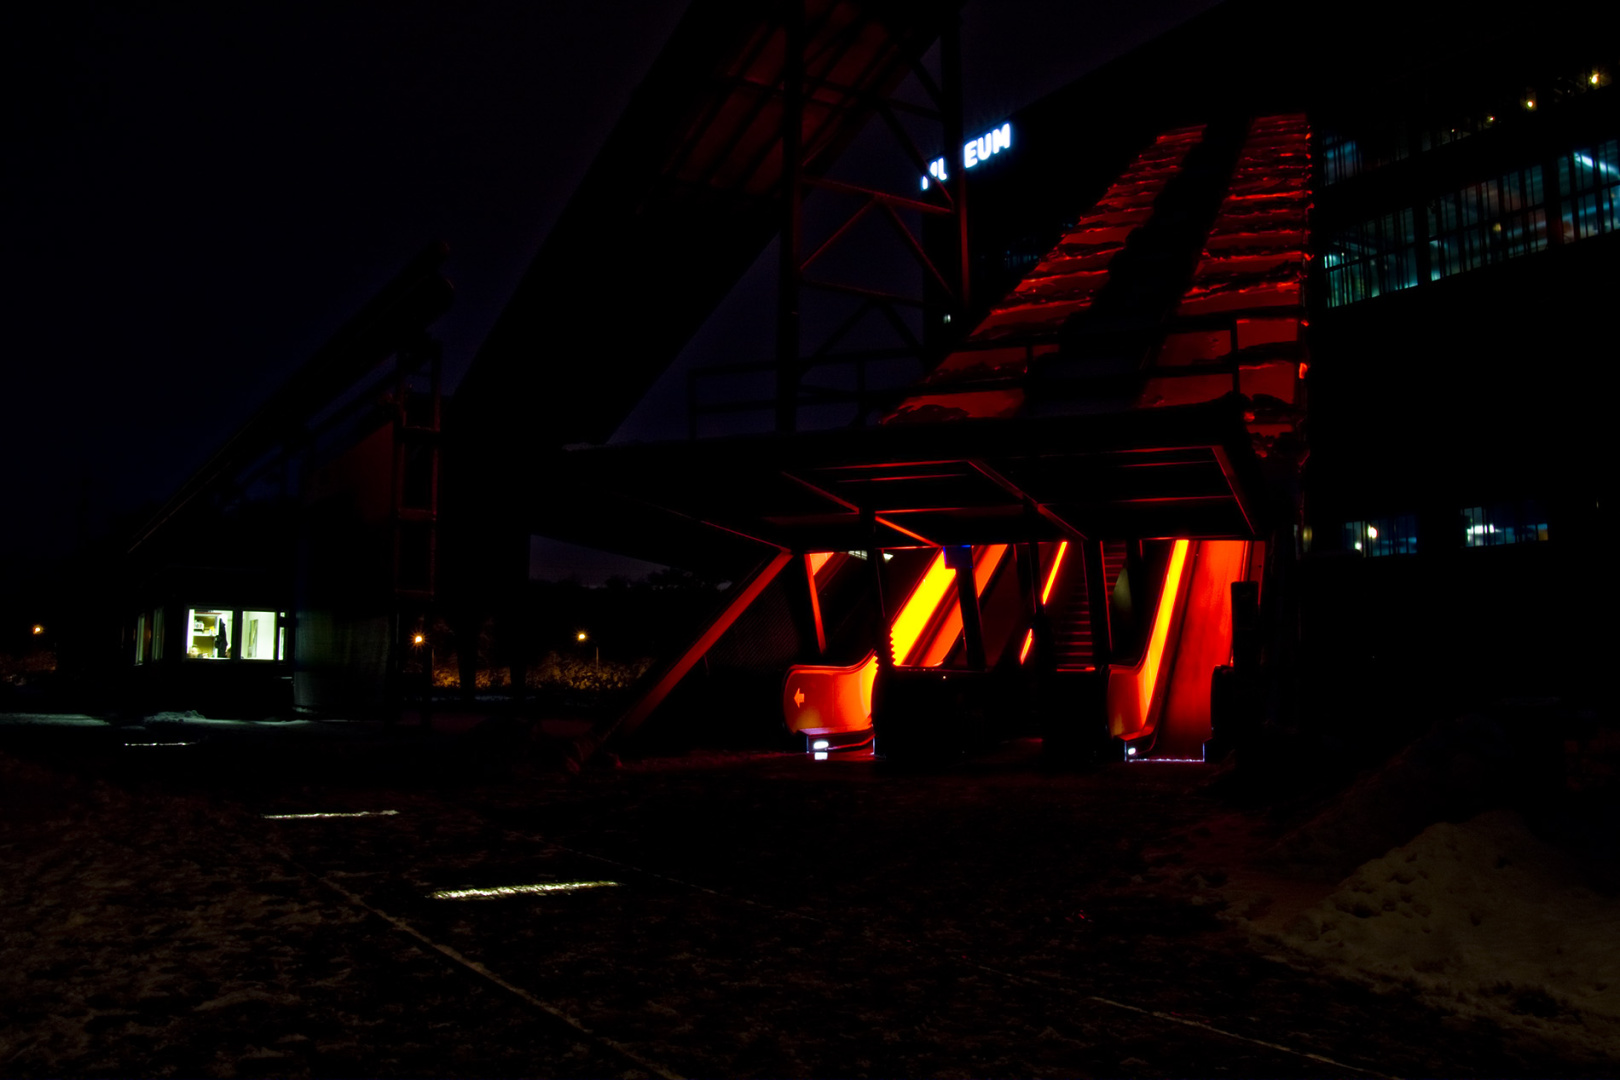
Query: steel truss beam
x,y
946,282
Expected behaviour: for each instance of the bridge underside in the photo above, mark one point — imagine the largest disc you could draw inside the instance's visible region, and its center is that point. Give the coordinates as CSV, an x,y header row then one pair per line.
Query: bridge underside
x,y
1186,471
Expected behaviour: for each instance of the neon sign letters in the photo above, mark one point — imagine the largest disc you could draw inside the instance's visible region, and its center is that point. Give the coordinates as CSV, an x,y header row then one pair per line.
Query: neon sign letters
x,y
974,151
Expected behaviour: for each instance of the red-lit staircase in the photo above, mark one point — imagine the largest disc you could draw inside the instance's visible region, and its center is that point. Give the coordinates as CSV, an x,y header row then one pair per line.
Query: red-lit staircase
x,y
1070,611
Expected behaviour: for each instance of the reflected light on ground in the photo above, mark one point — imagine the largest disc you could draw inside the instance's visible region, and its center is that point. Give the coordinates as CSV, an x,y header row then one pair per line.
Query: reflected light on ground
x,y
498,891
330,814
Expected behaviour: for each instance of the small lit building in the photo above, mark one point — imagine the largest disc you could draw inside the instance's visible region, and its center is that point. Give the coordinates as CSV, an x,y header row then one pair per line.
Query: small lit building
x,y
289,572
211,640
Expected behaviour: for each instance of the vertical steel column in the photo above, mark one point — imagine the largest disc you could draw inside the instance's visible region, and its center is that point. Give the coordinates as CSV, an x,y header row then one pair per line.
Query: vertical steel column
x,y
950,77
415,588
804,603
1041,653
1097,596
967,598
1136,576
788,263
884,639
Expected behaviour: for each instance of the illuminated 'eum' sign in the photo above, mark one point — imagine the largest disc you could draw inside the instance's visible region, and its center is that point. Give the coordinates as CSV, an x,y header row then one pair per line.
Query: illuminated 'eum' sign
x,y
973,151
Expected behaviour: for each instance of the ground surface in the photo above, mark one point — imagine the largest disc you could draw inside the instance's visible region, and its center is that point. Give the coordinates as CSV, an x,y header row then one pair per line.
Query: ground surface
x,y
769,916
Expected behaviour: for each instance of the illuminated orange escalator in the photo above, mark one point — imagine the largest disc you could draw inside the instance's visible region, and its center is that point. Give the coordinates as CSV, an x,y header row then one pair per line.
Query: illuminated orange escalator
x,y
1160,704
836,700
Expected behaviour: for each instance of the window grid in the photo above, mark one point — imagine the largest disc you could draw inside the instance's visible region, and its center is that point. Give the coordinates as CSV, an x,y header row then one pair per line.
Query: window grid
x,y
1341,158
1376,257
1506,523
1395,534
1487,223
1589,189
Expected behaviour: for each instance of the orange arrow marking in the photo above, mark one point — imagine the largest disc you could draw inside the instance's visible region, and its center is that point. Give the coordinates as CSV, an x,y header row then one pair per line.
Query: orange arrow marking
x,y
798,697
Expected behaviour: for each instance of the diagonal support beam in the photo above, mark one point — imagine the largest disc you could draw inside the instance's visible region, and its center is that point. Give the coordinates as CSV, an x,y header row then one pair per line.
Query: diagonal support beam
x,y
627,722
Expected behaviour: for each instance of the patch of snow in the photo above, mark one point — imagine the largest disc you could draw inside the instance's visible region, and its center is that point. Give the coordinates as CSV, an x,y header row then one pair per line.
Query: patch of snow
x,y
174,717
50,720
1483,919
242,997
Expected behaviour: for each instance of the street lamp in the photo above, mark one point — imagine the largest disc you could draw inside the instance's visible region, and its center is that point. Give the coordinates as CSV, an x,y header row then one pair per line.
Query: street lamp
x,y
583,636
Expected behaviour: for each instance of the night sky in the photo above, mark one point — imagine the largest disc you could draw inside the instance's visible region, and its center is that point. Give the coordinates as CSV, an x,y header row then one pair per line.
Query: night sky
x,y
198,194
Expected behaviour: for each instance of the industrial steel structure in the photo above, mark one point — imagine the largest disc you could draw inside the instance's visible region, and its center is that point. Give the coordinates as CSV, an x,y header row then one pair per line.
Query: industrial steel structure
x,y
1230,405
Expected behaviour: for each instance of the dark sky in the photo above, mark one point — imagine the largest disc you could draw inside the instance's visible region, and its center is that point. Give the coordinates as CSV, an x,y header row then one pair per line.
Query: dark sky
x,y
198,194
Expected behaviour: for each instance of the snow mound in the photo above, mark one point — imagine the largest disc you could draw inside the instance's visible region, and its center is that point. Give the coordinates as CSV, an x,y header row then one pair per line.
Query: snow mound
x,y
1482,919
174,717
1460,767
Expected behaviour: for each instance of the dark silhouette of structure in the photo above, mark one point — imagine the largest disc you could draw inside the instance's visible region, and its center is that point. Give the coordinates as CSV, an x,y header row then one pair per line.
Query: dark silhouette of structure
x,y
1243,398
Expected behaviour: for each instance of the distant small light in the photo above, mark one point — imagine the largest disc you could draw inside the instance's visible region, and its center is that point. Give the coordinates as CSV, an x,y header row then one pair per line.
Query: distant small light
x,y
417,639
38,629
1490,119
820,744
1130,751
1594,78
821,755
887,555
580,636
1372,532
947,319
1530,103
1358,545
517,890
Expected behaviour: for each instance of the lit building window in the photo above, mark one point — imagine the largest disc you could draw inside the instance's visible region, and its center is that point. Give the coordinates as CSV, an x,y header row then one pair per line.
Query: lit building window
x,y
221,634
258,635
1392,535
208,634
1487,223
1505,523
1479,225
1589,190
1341,158
1376,257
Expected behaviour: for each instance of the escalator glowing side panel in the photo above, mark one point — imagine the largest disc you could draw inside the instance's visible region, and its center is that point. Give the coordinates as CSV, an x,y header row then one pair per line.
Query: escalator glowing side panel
x,y
1051,575
1132,688
947,629
820,699
1204,643
919,609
